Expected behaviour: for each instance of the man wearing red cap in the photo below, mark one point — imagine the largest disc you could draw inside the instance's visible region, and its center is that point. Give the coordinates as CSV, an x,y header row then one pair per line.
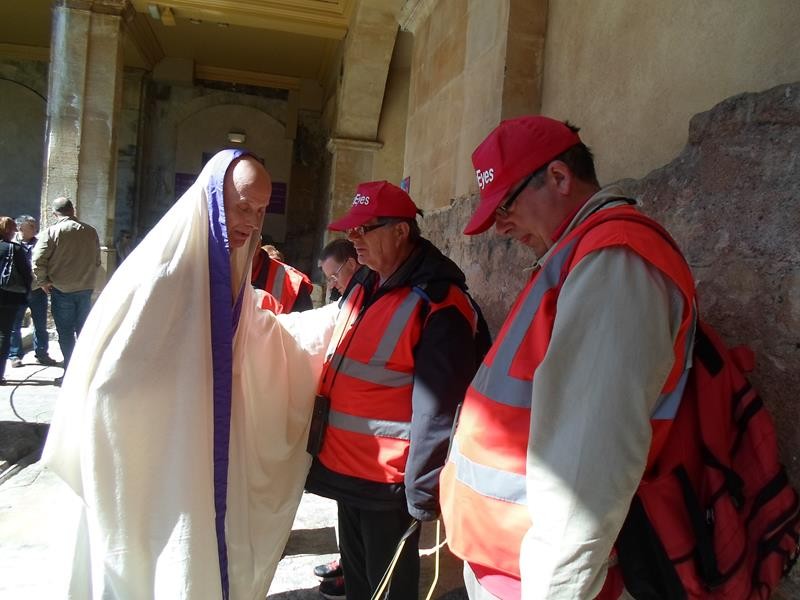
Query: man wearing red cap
x,y
571,405
407,343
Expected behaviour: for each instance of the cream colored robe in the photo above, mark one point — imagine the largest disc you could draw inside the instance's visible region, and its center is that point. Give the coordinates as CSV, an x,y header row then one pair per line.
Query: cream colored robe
x,y
133,434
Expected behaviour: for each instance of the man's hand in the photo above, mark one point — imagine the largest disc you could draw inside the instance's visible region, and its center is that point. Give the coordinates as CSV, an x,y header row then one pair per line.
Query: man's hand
x,y
46,287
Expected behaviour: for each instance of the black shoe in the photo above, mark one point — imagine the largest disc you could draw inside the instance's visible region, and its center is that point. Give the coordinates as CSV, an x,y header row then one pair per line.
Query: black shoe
x,y
332,588
57,381
331,569
47,361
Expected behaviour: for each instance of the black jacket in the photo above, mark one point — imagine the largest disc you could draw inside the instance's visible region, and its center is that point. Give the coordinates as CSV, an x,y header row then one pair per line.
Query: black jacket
x,y
14,259
446,358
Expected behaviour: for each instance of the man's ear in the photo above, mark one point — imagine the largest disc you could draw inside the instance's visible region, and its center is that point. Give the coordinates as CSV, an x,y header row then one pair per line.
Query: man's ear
x,y
404,230
561,176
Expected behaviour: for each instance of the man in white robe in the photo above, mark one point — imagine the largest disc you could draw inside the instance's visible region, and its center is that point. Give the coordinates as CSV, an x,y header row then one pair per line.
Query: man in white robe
x,y
183,417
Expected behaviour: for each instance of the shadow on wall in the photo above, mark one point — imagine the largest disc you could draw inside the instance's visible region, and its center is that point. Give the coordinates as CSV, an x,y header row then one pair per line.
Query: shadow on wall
x,y
22,128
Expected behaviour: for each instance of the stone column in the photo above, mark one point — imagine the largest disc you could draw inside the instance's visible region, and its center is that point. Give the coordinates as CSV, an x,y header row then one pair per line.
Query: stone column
x,y
84,98
524,60
351,164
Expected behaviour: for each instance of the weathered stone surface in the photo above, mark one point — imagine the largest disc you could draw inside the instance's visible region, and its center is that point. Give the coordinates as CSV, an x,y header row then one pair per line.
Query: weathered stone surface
x,y
732,201
495,267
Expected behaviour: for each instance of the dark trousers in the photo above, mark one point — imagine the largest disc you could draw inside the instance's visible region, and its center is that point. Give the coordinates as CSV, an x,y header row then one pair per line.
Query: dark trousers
x,y
37,300
367,542
7,314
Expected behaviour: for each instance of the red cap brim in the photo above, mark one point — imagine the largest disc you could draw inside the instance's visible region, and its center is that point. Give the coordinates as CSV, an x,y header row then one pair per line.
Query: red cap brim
x,y
351,219
483,217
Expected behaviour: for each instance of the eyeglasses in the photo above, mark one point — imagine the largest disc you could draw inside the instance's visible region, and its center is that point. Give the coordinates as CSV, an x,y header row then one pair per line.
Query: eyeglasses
x,y
502,210
363,230
335,275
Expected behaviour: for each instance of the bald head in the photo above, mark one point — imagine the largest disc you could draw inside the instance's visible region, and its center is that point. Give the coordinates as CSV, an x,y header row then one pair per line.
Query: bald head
x,y
246,191
63,207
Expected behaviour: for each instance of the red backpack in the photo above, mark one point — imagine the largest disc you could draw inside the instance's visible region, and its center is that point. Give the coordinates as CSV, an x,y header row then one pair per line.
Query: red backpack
x,y
715,517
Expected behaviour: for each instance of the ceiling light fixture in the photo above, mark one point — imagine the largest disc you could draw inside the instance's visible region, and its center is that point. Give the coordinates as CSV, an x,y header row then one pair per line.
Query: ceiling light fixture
x,y
237,137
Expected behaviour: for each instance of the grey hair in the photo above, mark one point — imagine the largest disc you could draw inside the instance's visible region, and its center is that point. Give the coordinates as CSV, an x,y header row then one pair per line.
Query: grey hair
x,y
22,219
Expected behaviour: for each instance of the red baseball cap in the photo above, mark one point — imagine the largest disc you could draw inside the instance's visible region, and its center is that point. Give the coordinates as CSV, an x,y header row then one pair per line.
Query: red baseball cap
x,y
514,149
376,199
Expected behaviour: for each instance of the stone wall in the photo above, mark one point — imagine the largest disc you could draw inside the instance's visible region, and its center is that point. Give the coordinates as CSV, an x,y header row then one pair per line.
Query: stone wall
x,y
732,201
306,209
632,73
23,112
456,72
388,161
128,151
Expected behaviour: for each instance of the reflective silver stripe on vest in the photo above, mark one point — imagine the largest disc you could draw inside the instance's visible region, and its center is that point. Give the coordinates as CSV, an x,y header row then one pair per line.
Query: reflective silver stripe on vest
x,y
374,427
277,283
668,404
488,481
375,371
494,382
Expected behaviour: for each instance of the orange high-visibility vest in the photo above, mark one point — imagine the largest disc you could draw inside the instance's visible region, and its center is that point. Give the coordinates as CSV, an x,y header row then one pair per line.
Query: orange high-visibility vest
x,y
369,379
483,485
282,281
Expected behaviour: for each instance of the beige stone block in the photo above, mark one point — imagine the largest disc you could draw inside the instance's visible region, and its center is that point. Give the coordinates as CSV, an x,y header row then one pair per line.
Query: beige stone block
x,y
412,135
454,114
421,47
448,61
423,76
446,19
484,79
527,16
417,126
486,27
521,96
419,182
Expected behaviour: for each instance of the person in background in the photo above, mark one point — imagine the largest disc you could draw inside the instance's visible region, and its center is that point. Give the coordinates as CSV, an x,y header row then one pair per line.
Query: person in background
x,y
338,263
124,245
65,262
14,285
288,289
273,252
573,402
27,228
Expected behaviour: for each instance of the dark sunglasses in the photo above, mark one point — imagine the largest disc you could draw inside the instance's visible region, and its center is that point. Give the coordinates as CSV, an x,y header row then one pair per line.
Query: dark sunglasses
x,y
362,230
